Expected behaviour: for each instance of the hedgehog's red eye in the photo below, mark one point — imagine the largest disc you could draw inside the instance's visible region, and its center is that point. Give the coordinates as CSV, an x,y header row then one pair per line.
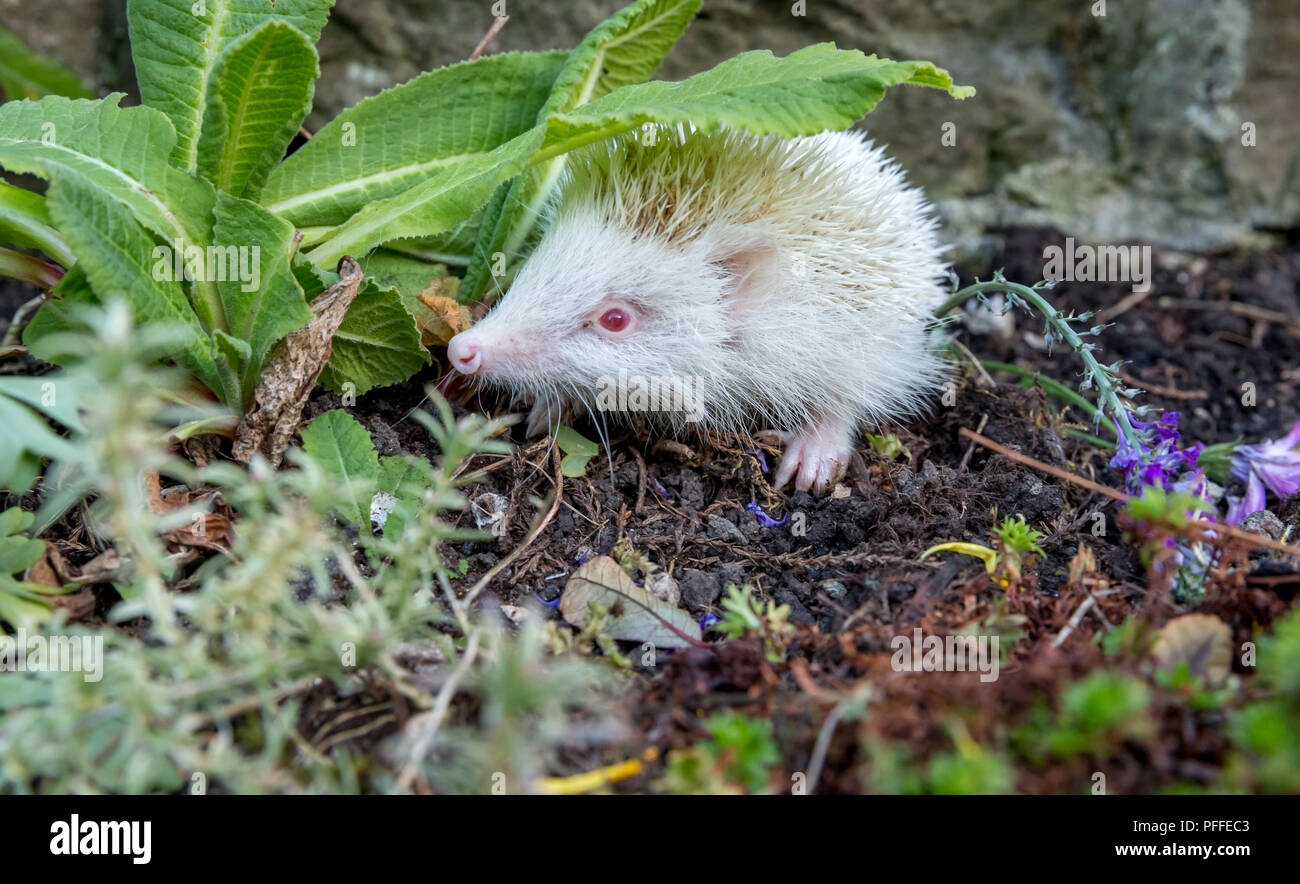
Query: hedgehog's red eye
x,y
615,319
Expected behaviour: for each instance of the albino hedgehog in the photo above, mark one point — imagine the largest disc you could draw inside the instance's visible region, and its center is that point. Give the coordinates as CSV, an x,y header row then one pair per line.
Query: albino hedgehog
x,y
789,283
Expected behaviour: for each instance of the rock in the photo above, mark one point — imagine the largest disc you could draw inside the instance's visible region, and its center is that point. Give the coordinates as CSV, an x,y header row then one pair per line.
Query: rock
x,y
699,589
1264,523
724,530
665,588
833,589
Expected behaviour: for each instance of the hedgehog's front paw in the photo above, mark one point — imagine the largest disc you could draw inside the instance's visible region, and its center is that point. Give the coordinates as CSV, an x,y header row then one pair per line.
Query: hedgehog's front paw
x,y
816,458
547,415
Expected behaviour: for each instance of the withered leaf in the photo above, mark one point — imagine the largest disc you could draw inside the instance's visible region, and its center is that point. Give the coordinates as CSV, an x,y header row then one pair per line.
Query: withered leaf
x,y
445,317
291,373
602,581
1201,641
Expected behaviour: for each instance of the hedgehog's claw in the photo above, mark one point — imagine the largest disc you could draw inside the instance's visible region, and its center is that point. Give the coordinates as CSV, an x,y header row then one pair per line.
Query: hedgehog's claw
x,y
815,457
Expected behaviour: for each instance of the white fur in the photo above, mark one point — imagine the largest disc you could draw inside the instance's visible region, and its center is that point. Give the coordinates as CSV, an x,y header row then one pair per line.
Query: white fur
x,y
704,233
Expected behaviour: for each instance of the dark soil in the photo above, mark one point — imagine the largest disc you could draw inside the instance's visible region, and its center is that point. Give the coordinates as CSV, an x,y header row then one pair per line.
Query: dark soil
x,y
855,578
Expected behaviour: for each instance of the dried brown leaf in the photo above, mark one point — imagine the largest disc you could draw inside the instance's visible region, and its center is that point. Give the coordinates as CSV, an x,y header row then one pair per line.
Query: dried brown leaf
x,y
291,373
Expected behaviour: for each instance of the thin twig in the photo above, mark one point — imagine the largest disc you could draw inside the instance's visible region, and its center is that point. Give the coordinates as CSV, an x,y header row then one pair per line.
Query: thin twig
x,y
1074,620
824,743
1026,460
532,535
423,741
489,36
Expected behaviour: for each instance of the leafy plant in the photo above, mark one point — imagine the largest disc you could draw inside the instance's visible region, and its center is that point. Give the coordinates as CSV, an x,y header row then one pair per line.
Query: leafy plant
x,y
578,451
738,757
21,603
1095,714
743,616
1014,540
188,206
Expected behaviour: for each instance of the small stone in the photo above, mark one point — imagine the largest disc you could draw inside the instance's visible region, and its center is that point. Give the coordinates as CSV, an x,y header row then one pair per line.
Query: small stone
x,y
833,589
724,529
699,589
1264,523
665,588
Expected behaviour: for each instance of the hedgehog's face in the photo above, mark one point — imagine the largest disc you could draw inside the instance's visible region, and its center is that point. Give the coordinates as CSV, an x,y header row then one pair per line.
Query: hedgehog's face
x,y
594,305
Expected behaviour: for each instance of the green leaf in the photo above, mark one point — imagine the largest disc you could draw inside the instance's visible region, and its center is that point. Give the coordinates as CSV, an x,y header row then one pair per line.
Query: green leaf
x,y
24,74
408,275
395,472
447,196
578,451
376,345
231,356
25,222
20,603
391,142
343,449
273,305
27,438
177,44
44,334
119,151
816,89
259,93
122,154
622,51
116,255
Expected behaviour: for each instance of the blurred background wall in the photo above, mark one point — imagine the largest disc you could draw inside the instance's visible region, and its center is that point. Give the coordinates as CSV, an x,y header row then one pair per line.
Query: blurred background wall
x,y
1170,122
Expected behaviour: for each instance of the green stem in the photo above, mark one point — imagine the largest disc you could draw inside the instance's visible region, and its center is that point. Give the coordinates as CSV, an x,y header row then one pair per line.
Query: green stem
x,y
1105,390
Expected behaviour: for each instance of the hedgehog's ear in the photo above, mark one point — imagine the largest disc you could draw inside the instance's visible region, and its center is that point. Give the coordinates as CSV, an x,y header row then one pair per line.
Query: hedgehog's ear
x,y
744,271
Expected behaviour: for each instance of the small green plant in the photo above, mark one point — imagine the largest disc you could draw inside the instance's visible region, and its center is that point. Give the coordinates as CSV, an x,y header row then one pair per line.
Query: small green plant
x,y
577,449
738,758
1095,714
1266,743
743,616
21,603
1014,540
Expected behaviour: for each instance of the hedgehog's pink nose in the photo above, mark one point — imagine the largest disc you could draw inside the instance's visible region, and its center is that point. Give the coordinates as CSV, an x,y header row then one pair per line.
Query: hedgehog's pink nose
x,y
464,355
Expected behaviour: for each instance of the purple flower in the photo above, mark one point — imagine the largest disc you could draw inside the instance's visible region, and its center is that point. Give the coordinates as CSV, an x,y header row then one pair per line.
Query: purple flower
x,y
555,603
763,518
758,455
1155,459
708,621
660,489
1268,465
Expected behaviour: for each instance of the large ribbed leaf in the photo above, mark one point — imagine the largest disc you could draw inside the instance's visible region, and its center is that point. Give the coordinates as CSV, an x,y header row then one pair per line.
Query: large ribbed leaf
x,y
117,256
816,89
260,92
376,345
120,153
622,51
448,195
394,140
24,74
177,44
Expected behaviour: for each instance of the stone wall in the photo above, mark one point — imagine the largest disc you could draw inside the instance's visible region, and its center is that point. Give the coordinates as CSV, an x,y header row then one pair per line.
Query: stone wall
x,y
1126,126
